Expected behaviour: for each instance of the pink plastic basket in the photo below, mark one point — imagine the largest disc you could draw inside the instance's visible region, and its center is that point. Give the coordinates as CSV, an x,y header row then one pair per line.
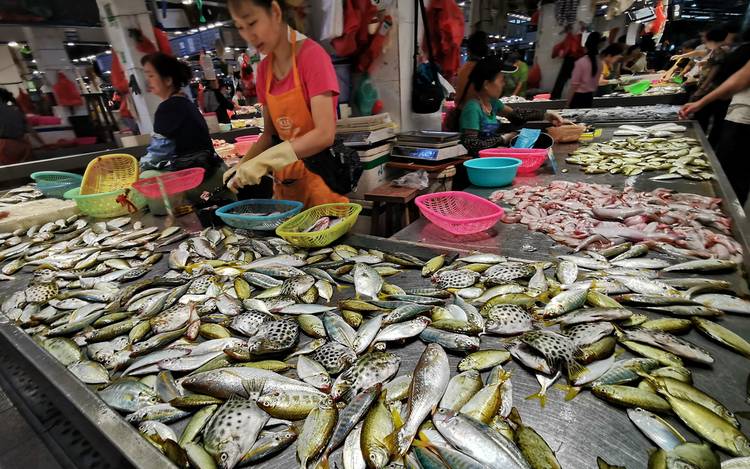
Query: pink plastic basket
x,y
243,144
531,158
459,213
174,183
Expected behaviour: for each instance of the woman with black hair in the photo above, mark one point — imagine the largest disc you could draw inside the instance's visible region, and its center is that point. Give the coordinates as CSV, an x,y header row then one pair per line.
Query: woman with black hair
x,y
181,139
15,146
479,118
297,86
586,74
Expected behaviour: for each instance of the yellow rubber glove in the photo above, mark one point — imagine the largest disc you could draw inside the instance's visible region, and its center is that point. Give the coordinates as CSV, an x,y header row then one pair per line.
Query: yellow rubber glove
x,y
228,174
250,172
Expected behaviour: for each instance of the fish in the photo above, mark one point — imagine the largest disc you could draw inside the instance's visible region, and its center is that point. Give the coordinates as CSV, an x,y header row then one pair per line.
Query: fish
x,y
376,427
334,356
450,340
478,440
367,281
536,451
350,416
371,369
402,330
461,388
726,303
274,337
556,348
658,430
703,265
588,333
564,302
722,335
313,373
455,278
566,272
428,385
670,343
508,320
500,274
234,427
128,395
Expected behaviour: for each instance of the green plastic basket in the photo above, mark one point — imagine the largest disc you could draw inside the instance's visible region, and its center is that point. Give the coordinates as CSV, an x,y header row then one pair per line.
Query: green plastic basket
x,y
104,204
56,183
292,230
638,87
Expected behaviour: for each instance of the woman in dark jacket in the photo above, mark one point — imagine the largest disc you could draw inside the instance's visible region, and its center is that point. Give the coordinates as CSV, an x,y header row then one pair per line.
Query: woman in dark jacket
x,y
181,139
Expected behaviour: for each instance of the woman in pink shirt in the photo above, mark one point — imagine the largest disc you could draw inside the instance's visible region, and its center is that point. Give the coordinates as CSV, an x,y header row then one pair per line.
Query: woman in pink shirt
x,y
587,79
586,73
297,86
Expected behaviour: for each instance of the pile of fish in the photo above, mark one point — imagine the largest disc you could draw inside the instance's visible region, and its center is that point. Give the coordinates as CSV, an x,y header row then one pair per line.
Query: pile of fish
x,y
19,195
630,113
580,215
667,129
681,157
239,339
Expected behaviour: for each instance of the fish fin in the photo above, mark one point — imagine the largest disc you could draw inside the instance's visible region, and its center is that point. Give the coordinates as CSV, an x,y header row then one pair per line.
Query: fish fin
x,y
542,398
253,388
570,391
515,417
575,369
398,422
618,352
349,393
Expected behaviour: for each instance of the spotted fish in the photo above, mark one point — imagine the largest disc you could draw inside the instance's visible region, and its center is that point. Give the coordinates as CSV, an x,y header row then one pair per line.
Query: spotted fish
x,y
556,348
455,278
41,293
233,429
371,369
249,323
274,336
505,273
508,320
334,356
588,333
296,286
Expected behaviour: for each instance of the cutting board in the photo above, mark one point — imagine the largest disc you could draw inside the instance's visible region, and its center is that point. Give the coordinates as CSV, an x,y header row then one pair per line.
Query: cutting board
x,y
36,212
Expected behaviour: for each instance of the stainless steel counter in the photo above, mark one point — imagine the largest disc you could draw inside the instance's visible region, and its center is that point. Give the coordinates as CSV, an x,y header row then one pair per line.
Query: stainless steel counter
x,y
676,98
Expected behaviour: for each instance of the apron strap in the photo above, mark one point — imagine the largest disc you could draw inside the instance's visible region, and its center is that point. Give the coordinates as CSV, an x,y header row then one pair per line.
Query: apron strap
x,y
269,77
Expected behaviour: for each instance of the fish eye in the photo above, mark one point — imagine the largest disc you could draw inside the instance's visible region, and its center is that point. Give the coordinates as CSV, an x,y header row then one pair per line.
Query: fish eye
x,y
224,457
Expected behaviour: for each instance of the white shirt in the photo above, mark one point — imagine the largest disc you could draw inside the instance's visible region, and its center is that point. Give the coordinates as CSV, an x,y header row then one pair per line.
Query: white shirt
x,y
739,108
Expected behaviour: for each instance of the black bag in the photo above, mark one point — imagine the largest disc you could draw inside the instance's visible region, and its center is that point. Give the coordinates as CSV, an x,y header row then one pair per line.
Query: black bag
x,y
427,93
339,166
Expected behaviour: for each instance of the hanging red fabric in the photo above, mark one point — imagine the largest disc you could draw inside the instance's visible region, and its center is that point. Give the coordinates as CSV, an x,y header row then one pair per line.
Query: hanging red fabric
x,y
162,41
447,31
657,26
570,46
66,92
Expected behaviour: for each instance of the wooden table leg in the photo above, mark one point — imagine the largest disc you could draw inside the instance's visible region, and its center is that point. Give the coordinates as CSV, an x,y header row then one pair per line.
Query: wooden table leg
x,y
375,219
388,220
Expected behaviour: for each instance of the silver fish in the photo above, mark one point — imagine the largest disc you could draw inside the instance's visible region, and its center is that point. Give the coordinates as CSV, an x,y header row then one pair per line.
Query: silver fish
x,y
367,281
428,385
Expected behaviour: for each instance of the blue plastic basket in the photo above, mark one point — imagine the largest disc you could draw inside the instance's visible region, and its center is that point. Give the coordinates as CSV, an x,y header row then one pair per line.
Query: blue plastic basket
x,y
56,183
243,214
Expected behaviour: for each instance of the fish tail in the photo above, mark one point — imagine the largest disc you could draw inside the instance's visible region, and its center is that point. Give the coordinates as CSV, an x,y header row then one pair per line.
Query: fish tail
x,y
515,417
570,391
542,398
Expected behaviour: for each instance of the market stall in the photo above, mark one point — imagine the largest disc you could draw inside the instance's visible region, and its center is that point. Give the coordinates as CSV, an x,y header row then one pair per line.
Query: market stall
x,y
579,430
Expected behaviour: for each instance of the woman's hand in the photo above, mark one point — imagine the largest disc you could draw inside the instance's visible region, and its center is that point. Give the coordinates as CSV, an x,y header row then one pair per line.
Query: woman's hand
x,y
554,118
691,108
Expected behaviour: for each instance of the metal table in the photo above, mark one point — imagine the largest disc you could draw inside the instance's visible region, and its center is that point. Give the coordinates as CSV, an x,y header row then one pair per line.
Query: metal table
x,y
675,98
578,430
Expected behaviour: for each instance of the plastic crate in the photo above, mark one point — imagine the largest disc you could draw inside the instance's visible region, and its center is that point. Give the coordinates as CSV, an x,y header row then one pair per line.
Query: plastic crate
x,y
56,183
236,214
292,230
108,173
459,213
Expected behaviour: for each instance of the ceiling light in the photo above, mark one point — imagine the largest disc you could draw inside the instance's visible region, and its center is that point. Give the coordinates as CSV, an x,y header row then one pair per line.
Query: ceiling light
x,y
202,28
12,44
238,49
185,56
108,52
177,33
218,24
194,30
33,61
187,2
75,61
70,44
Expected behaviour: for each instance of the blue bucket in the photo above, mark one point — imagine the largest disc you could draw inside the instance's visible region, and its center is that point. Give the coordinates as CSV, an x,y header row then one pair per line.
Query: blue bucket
x,y
492,172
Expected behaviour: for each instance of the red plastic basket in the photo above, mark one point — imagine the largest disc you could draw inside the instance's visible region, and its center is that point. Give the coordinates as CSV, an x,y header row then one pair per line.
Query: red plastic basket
x,y
459,213
243,144
174,183
531,158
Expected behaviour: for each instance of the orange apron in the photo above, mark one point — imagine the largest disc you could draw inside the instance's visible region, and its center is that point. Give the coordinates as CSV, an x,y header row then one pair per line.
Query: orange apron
x,y
291,118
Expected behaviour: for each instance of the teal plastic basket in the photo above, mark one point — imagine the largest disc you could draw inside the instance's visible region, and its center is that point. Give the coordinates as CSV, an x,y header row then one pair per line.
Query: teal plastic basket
x,y
56,183
245,213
